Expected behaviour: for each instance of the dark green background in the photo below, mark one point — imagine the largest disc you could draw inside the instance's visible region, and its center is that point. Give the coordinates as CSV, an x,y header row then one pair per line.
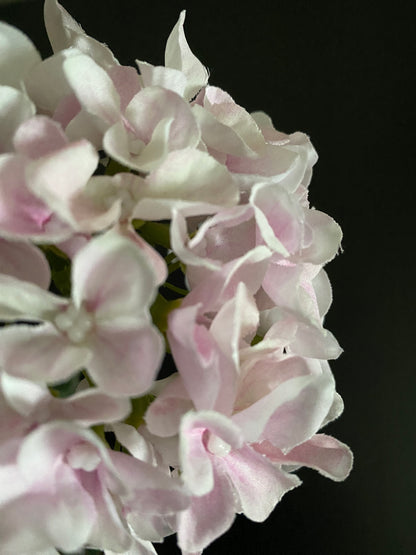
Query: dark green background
x,y
342,72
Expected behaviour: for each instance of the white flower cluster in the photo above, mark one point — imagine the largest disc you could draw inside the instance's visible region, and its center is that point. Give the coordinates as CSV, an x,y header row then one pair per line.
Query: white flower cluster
x,y
146,217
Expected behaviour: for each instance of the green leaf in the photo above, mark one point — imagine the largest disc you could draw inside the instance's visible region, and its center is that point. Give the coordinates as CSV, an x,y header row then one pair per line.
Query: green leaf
x,y
139,408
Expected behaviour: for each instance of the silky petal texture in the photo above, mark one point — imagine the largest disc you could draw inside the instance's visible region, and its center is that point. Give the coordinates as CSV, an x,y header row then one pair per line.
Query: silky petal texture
x,y
149,490
90,407
163,417
326,240
148,528
40,353
236,321
273,166
173,185
22,214
135,443
46,83
208,517
15,108
64,32
24,261
179,56
93,87
22,395
301,417
39,136
297,142
225,236
263,370
160,76
20,300
127,83
323,291
206,372
125,357
109,529
18,55
258,484
154,258
94,207
279,219
66,110
112,277
117,142
59,176
63,518
291,286
154,104
249,137
40,450
222,285
196,459
327,455
219,136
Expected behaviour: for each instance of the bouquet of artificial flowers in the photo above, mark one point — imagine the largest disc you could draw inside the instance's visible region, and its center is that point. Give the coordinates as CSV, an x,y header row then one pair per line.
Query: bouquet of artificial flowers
x,y
162,295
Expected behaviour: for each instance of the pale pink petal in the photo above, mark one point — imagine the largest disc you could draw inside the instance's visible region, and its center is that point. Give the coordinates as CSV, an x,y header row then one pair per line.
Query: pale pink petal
x,y
323,291
62,518
125,357
200,430
113,278
18,55
207,373
173,185
66,110
290,404
94,207
126,81
22,395
222,285
179,56
59,176
39,136
327,455
39,353
149,490
22,300
258,484
119,144
300,418
64,32
24,261
154,104
22,214
90,407
248,137
155,259
85,125
208,517
236,323
279,218
134,442
109,529
46,84
160,76
327,237
164,416
15,108
93,87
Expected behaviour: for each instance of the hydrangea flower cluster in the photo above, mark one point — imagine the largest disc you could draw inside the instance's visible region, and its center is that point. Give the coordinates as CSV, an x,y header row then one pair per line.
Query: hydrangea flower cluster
x,y
147,222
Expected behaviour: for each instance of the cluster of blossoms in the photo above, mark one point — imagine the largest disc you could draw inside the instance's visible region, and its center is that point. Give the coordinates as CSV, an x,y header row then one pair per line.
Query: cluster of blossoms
x,y
147,221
